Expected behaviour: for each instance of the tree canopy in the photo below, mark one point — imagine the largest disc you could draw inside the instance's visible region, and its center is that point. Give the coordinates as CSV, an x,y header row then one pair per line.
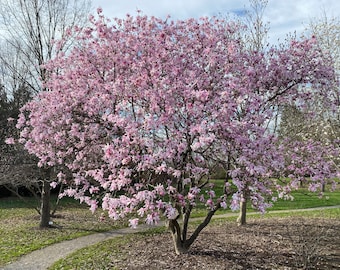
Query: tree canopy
x,y
144,109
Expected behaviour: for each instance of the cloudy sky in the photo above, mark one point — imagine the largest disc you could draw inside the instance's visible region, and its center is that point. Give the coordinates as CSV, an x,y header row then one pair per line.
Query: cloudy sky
x,y
285,16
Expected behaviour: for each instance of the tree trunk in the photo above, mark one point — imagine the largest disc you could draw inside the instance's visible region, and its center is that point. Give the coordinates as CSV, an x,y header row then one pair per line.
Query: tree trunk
x,y
242,218
180,241
179,244
54,210
45,205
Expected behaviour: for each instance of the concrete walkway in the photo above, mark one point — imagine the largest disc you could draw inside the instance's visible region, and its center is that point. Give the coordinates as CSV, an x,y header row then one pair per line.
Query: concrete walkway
x,y
43,258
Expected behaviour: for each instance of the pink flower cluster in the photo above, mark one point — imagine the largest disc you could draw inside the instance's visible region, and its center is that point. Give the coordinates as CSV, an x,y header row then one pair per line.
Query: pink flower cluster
x,y
143,109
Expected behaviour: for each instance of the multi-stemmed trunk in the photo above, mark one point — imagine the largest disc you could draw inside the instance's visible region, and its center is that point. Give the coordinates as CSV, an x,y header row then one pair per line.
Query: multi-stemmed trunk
x,y
179,235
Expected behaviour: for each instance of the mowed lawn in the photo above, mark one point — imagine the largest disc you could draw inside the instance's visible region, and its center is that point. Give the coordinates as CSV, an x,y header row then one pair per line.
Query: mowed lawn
x,y
302,199
19,221
19,232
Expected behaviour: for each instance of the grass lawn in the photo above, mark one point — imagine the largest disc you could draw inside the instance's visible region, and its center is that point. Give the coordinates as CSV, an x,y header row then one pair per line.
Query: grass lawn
x,y
19,221
302,199
99,256
305,199
20,233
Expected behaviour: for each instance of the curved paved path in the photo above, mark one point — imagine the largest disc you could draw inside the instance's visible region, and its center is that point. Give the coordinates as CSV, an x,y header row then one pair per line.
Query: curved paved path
x,y
43,258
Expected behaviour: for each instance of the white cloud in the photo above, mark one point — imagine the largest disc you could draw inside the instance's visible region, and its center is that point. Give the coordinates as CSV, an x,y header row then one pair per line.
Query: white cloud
x,y
178,9
285,16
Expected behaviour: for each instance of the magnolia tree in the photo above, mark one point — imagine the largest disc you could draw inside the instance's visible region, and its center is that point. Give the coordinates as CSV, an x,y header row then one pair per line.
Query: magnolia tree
x,y
143,110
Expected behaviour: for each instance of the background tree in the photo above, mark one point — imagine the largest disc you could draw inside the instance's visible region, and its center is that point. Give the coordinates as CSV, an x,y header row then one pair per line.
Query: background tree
x,y
254,39
29,31
312,121
18,170
256,31
324,125
141,110
327,31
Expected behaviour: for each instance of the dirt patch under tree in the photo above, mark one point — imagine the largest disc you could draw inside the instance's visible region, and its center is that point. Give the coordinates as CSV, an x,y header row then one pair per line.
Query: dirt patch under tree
x,y
285,243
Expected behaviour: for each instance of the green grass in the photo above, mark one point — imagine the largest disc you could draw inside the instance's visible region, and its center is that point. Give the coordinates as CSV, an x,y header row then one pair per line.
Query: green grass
x,y
302,199
20,233
19,222
86,259
333,213
109,252
305,199
104,254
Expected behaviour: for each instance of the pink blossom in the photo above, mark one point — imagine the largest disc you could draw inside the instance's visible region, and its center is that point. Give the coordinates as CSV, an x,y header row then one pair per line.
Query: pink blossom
x,y
152,219
177,173
53,184
211,193
235,202
313,187
102,217
10,141
160,190
210,203
160,204
61,176
133,223
201,198
93,205
191,196
141,212
170,212
223,205
93,190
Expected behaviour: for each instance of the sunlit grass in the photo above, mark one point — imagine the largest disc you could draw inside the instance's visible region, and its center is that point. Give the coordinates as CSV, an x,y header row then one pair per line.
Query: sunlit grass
x,y
20,233
99,256
302,198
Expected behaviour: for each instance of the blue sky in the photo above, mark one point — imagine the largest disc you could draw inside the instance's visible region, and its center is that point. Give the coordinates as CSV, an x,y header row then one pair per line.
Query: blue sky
x,y
285,16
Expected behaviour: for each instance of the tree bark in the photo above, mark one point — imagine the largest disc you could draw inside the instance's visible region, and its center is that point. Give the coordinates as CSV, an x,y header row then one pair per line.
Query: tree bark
x,y
180,241
179,244
242,218
45,202
54,210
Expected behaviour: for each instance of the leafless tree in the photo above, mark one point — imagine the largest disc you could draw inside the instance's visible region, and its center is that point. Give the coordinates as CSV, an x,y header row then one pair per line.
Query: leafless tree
x,y
29,29
327,31
256,35
324,126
